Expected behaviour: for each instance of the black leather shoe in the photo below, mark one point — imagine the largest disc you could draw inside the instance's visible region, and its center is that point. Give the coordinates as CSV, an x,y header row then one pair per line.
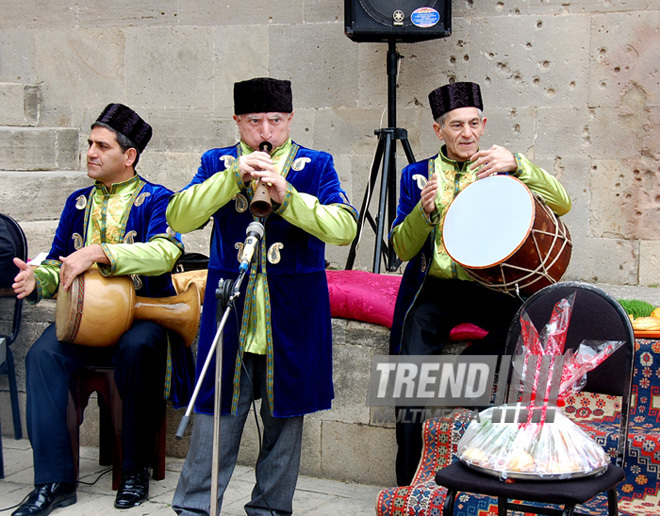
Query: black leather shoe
x,y
133,489
44,498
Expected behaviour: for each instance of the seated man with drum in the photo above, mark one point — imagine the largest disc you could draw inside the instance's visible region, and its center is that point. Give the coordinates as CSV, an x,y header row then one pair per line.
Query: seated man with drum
x,y
436,293
118,227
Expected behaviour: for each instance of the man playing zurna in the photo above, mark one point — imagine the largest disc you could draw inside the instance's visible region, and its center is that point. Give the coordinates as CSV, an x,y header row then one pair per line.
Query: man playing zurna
x,y
281,348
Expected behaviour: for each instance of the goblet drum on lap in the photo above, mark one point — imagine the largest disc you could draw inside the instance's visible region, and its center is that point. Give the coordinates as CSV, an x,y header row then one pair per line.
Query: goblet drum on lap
x,y
97,310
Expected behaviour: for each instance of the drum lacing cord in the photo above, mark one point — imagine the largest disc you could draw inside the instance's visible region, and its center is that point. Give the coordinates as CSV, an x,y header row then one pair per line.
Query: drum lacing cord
x,y
542,271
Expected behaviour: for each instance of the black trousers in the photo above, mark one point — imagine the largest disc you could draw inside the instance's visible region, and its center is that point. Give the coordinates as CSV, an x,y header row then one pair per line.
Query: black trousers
x,y
441,305
139,359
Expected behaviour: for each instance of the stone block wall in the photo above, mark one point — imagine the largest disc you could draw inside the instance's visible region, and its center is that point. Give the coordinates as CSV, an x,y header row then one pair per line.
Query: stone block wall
x,y
574,85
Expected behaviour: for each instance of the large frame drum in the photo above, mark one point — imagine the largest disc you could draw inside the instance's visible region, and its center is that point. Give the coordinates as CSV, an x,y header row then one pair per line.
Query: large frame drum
x,y
506,237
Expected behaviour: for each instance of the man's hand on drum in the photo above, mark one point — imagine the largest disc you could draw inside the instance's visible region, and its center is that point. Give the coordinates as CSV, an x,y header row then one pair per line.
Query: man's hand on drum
x,y
80,261
429,193
24,282
496,160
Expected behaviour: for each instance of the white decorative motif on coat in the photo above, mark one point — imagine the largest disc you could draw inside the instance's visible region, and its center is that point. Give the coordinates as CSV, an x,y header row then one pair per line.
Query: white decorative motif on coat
x,y
129,238
141,198
81,202
77,241
300,163
421,180
274,255
240,203
137,281
239,246
227,160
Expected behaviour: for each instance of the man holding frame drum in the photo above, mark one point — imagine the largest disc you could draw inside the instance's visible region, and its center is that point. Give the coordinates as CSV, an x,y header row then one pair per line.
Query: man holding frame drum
x,y
117,226
436,293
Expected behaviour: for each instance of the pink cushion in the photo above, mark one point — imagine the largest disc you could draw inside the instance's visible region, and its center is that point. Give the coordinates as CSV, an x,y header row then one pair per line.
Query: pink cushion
x,y
365,296
466,331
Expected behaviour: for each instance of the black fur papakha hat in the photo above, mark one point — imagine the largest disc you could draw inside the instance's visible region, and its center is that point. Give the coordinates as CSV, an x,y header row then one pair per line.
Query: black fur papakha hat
x,y
453,96
262,95
127,122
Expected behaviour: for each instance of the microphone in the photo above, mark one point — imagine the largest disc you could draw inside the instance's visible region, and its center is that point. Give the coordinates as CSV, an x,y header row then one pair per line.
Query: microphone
x,y
254,232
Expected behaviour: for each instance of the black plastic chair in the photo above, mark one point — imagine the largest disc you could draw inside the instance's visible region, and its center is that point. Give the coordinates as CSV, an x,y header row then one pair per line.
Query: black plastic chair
x,y
6,356
596,316
8,366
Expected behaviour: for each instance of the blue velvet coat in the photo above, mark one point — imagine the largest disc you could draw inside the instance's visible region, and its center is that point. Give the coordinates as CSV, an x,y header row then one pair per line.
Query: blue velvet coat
x,y
418,267
299,347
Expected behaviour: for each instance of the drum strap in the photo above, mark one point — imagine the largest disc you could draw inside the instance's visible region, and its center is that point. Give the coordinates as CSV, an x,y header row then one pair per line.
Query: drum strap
x,y
457,182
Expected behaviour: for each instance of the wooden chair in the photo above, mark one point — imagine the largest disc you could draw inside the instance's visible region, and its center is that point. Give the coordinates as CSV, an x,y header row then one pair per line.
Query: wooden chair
x,y
101,380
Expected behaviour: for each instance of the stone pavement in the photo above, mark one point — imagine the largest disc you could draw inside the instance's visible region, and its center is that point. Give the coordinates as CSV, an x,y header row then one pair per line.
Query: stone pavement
x,y
314,496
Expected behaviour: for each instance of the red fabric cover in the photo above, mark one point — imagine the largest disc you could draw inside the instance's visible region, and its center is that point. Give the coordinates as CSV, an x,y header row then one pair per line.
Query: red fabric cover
x,y
466,331
365,296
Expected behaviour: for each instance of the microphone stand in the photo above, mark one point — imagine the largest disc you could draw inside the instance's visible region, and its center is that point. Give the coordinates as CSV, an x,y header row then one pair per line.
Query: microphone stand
x,y
227,292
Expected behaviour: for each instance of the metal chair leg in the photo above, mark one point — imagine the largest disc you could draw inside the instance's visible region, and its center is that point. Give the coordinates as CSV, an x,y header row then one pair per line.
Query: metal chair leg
x,y
13,395
612,502
502,506
448,506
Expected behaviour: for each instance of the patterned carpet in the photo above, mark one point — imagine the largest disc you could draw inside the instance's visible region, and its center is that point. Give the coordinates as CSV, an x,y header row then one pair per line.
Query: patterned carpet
x,y
638,493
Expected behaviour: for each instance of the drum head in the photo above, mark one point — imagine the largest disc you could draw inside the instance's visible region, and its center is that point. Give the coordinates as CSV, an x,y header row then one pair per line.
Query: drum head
x,y
488,221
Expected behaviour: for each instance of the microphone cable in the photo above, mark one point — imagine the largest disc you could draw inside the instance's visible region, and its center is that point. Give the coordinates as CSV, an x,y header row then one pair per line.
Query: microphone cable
x,y
253,402
227,302
4,509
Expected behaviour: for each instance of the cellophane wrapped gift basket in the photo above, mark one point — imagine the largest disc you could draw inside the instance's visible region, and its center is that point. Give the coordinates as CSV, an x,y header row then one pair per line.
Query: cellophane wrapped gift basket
x,y
539,441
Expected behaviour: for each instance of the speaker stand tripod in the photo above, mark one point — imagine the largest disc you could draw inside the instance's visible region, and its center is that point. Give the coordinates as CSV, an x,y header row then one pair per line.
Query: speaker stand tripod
x,y
385,158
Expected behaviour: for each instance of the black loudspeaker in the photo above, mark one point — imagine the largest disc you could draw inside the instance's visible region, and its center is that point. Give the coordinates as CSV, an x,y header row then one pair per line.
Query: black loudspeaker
x,y
404,21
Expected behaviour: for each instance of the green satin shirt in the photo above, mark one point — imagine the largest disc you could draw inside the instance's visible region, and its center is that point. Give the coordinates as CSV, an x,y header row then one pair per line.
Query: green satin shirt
x,y
108,207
